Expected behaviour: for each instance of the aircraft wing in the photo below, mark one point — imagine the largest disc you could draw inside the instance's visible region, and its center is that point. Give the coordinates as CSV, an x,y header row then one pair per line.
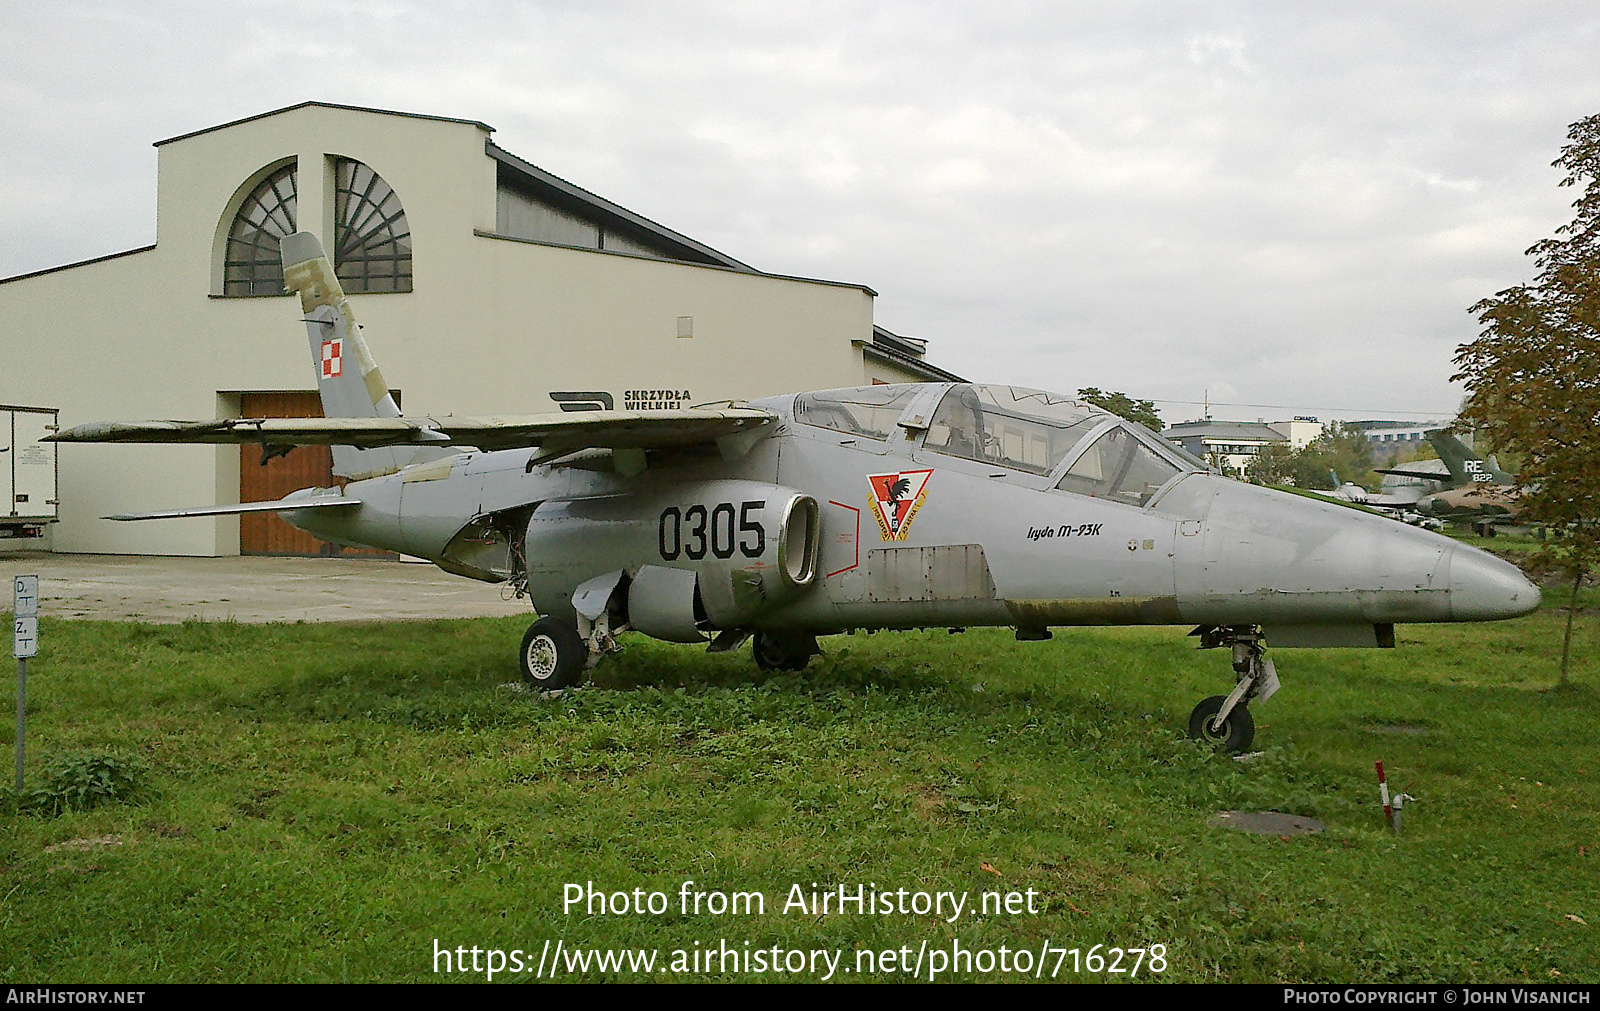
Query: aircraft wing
x,y
551,433
1437,472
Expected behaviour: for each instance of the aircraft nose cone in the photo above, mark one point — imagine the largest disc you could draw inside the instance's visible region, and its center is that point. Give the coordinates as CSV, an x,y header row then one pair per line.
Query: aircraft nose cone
x,y
1483,587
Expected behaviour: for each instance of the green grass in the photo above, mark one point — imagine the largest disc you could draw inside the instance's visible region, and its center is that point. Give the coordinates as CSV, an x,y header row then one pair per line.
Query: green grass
x,y
329,799
1517,540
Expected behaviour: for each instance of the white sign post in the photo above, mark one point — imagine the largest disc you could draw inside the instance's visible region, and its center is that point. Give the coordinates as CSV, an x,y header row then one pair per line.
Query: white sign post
x,y
24,643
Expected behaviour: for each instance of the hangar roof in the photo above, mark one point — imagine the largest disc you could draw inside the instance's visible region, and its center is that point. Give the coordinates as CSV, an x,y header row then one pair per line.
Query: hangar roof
x,y
1232,431
324,105
887,352
519,174
554,190
546,186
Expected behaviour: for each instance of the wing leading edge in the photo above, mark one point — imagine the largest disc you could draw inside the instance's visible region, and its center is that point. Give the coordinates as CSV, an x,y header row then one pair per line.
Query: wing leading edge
x,y
553,434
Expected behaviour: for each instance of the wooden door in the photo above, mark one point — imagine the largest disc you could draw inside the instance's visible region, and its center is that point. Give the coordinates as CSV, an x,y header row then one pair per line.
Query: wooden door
x,y
303,467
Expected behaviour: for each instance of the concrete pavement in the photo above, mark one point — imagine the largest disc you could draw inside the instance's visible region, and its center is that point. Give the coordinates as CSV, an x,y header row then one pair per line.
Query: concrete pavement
x,y
249,589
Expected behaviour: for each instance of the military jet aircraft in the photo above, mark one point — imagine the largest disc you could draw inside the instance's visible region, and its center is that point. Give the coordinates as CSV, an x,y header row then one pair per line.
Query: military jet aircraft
x,y
881,507
1397,501
1478,492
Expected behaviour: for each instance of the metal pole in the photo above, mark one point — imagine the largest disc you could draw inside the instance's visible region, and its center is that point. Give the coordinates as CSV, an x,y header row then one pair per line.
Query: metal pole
x,y
24,643
22,694
1383,794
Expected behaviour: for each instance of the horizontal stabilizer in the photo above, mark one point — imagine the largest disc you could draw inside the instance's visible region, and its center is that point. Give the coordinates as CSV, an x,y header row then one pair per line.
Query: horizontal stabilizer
x,y
282,505
559,432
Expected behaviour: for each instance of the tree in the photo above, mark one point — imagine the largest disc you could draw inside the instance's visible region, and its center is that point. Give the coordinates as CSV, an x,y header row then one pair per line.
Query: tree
x,y
1272,465
1338,451
1533,376
1124,406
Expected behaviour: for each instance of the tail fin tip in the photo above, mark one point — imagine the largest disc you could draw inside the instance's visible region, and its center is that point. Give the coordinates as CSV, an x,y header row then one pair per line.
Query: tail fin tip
x,y
299,248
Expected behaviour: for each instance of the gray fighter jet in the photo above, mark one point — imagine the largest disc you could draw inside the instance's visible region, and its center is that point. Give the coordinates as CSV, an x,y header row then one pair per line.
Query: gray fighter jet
x,y
881,507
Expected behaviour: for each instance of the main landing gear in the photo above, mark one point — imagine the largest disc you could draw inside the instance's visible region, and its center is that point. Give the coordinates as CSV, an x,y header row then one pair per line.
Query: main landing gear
x,y
553,654
1225,720
784,650
557,652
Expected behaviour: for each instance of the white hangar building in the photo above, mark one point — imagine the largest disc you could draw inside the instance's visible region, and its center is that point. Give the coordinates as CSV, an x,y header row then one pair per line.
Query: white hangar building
x,y
486,286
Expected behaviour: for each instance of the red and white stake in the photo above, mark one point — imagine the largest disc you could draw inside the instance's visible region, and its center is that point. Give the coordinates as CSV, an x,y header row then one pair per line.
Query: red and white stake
x,y
1383,792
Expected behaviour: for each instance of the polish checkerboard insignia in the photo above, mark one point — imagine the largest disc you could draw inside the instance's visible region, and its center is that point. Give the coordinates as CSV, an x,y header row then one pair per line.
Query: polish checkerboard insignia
x,y
895,500
332,358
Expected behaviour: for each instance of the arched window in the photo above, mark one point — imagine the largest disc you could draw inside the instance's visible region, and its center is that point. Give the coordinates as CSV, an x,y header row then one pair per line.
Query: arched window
x,y
372,242
252,265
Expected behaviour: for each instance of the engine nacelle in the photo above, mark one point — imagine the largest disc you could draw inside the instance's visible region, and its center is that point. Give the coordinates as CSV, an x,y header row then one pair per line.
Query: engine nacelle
x,y
750,546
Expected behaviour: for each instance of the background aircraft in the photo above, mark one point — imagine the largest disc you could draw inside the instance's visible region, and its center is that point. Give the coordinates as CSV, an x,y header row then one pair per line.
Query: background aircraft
x,y
882,507
1401,499
1474,491
1467,488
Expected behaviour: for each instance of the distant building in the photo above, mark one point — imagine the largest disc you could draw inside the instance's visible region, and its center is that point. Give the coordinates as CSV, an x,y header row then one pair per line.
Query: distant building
x,y
1300,430
1227,445
1391,438
490,286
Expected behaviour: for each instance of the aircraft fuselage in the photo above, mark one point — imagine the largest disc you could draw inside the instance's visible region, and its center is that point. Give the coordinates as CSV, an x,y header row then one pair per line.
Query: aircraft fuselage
x,y
966,543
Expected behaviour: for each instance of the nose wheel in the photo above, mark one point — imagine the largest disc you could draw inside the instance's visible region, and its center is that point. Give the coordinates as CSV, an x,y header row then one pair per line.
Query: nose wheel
x,y
1224,720
1232,733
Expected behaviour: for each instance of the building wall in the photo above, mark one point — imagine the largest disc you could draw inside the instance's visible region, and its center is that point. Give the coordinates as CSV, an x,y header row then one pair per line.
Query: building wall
x,y
1299,433
885,372
492,326
881,369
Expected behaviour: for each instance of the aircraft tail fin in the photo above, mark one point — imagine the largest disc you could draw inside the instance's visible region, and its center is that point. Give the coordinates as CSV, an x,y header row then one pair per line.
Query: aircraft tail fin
x,y
1466,467
348,378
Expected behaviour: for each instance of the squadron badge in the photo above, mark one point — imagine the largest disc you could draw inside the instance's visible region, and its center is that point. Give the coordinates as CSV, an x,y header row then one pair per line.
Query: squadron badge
x,y
895,500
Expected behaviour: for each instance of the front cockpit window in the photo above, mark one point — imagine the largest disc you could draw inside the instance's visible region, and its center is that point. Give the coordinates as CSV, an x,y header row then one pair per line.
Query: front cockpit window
x,y
1008,426
868,411
1118,467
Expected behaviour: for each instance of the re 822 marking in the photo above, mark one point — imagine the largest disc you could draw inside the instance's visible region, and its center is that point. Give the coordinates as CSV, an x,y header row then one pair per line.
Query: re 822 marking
x,y
720,531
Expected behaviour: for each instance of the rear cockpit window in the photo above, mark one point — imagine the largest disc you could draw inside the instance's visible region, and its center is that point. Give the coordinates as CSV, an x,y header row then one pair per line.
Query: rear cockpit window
x,y
1007,426
1118,467
868,411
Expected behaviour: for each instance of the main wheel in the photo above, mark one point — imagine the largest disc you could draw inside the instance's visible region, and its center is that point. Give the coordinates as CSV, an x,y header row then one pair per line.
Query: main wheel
x,y
552,654
1232,735
784,650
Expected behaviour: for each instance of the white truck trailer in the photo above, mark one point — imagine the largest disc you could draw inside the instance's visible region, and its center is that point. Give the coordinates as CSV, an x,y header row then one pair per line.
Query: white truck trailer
x,y
27,471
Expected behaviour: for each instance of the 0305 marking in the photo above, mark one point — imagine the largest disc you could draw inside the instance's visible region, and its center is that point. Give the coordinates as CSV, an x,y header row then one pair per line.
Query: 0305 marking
x,y
696,531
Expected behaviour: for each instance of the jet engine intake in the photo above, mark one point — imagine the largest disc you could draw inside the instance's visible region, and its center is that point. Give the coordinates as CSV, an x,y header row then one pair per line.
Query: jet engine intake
x,y
738,588
751,545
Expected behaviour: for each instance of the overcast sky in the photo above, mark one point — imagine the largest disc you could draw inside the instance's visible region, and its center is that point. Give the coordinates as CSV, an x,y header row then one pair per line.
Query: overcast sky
x,y
1268,203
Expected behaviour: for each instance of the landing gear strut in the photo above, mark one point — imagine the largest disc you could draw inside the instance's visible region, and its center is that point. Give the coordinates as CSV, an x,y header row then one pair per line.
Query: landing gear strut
x,y
784,650
1225,720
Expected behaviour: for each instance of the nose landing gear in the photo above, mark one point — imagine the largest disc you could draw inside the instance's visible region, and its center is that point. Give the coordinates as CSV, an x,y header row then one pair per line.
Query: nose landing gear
x,y
1232,733
1225,720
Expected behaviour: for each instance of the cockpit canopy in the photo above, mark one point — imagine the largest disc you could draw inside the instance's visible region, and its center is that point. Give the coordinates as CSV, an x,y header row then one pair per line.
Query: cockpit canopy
x,y
1083,449
869,411
1007,426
